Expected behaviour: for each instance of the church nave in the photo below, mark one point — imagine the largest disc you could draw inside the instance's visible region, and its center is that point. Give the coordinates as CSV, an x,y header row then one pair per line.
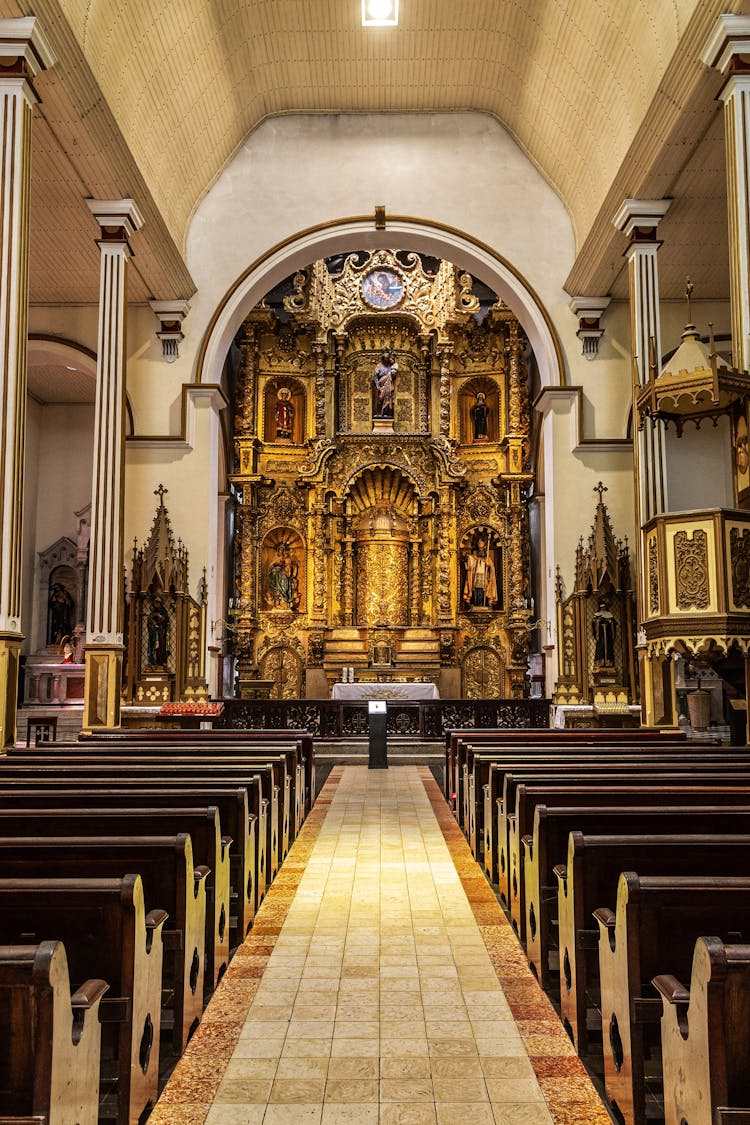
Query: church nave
x,y
381,982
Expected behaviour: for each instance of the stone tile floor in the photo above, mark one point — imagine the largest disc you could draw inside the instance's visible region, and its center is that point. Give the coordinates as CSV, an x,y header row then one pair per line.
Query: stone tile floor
x,y
380,983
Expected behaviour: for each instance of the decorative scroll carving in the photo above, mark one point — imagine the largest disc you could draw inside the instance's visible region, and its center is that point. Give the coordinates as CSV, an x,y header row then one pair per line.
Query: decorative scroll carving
x,y
483,674
653,577
691,569
739,550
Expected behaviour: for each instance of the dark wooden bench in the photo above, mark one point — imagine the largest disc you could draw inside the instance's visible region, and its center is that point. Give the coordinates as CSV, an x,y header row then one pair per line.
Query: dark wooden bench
x,y
589,878
704,1037
192,762
533,740
655,924
41,729
232,803
638,811
293,787
303,740
489,849
256,776
521,790
170,881
210,850
106,930
50,1038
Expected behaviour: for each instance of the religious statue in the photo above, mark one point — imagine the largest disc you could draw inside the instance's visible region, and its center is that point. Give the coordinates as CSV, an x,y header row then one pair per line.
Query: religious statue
x,y
603,628
480,588
385,385
284,415
60,614
157,627
283,580
479,415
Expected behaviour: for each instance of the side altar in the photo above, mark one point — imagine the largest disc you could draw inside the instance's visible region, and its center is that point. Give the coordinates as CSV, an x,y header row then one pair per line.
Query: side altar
x,y
382,469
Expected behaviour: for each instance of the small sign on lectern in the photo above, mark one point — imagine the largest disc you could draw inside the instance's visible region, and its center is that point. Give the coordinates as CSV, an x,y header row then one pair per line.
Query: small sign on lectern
x,y
376,707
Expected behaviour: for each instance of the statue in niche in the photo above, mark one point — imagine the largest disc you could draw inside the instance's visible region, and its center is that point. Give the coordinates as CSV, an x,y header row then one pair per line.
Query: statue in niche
x,y
480,587
480,412
603,628
60,608
283,580
157,628
385,385
284,415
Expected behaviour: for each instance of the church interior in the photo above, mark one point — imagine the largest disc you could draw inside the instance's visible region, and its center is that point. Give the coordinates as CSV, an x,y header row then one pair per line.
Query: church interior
x,y
374,562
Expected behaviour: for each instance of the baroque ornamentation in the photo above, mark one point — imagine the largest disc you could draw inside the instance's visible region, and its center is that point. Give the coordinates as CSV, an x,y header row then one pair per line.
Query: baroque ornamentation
x,y
691,569
739,549
653,577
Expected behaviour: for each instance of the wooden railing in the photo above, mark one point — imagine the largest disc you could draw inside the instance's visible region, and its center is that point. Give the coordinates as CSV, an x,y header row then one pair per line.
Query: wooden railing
x,y
326,718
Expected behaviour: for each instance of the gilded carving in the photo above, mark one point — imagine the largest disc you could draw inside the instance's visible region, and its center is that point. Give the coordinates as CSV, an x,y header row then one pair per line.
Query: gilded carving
x,y
483,674
691,569
739,549
653,577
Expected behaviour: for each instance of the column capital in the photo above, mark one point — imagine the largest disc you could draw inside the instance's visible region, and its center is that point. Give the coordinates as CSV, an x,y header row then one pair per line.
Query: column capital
x,y
728,45
639,218
170,315
23,40
589,311
118,219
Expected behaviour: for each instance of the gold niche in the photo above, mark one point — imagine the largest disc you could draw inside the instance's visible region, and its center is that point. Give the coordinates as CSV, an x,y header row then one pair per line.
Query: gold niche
x,y
382,569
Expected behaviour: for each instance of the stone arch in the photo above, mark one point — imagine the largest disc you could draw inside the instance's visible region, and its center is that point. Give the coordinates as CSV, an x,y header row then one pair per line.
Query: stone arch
x,y
345,235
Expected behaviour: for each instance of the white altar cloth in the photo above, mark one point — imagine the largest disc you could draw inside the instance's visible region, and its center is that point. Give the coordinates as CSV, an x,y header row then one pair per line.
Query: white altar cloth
x,y
364,690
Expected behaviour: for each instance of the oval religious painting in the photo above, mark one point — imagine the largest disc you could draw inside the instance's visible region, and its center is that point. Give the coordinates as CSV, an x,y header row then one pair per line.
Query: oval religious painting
x,y
382,289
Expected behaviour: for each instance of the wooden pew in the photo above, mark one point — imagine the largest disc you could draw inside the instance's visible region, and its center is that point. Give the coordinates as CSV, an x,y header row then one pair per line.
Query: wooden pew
x,y
494,766
47,1075
232,802
656,923
210,850
257,777
170,881
538,737
535,740
106,930
589,878
638,811
291,780
520,795
302,739
704,1037
483,769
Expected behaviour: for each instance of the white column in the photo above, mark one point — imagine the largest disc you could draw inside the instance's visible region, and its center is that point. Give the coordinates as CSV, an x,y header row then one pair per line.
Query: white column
x,y
727,50
25,52
118,220
639,219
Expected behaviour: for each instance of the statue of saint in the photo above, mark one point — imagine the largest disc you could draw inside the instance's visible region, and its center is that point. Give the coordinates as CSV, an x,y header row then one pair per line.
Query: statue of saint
x,y
385,385
479,414
603,628
157,628
283,580
60,609
284,415
480,588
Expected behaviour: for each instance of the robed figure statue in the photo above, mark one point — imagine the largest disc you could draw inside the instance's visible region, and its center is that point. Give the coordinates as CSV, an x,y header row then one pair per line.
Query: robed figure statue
x,y
385,385
603,628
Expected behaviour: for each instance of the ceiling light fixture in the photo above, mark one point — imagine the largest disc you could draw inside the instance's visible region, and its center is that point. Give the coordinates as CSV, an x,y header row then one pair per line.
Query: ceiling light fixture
x,y
69,368
379,13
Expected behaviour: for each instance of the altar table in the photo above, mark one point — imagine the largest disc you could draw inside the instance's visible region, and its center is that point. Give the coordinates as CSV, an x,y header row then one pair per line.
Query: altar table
x,y
365,690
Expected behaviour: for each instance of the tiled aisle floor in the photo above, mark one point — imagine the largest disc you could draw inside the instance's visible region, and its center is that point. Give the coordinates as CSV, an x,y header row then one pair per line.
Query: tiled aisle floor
x,y
381,998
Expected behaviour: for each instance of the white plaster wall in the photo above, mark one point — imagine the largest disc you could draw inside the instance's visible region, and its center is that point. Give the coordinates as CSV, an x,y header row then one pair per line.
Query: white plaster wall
x,y
699,467
30,496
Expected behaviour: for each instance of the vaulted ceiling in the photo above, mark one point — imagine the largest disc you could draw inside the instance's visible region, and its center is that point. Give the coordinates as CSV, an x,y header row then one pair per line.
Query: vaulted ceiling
x,y
151,98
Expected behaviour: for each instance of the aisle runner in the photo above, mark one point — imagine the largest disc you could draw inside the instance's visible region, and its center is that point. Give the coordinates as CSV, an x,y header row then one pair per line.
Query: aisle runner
x,y
380,998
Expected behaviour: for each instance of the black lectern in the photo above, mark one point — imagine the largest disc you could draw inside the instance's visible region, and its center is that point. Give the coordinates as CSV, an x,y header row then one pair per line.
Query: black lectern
x,y
378,735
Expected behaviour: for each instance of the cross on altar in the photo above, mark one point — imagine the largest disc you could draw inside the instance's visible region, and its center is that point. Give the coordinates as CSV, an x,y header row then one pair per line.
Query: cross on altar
x,y
601,489
161,492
